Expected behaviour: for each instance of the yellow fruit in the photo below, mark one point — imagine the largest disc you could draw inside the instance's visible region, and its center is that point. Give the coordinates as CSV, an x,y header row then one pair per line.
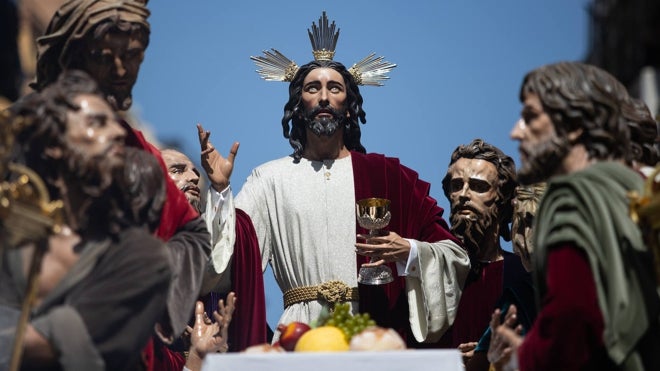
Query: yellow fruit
x,y
322,339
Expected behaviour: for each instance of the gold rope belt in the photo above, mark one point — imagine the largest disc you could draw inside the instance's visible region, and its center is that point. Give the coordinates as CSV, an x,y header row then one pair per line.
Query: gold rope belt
x,y
332,291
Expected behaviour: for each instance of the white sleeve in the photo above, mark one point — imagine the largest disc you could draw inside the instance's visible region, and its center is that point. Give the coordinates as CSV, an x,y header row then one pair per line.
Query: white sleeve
x,y
411,267
434,293
220,218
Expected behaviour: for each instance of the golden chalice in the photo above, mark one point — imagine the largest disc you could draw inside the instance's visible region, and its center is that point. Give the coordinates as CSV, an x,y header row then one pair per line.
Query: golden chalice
x,y
374,214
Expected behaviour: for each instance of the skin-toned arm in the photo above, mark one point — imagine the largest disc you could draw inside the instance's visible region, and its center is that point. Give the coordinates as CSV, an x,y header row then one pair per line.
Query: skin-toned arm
x,y
383,249
207,337
217,168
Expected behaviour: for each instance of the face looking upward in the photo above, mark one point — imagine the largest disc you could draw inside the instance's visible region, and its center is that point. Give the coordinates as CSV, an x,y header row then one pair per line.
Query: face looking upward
x,y
114,62
184,174
324,100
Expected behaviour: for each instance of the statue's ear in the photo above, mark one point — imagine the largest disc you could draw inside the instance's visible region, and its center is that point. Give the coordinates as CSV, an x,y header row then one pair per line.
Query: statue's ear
x,y
574,135
53,152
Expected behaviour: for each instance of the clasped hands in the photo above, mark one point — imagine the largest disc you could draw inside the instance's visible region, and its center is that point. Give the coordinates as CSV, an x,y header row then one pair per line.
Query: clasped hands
x,y
383,249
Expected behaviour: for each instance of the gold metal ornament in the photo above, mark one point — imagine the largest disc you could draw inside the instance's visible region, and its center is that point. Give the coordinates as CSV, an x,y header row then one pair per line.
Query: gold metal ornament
x,y
275,66
374,214
645,211
27,216
26,212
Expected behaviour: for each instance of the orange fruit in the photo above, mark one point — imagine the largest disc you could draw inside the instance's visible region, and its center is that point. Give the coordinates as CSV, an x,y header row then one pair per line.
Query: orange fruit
x,y
322,339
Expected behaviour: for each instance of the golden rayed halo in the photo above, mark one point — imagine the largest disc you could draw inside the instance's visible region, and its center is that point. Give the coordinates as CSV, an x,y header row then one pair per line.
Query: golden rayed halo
x,y
274,66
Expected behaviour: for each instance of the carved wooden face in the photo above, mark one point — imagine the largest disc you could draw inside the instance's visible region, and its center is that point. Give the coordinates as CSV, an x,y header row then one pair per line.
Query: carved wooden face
x,y
94,131
522,238
473,198
184,174
324,100
114,62
472,185
541,149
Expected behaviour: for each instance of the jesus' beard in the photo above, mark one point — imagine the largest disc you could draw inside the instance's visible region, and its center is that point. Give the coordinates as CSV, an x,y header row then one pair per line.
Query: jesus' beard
x,y
543,160
325,125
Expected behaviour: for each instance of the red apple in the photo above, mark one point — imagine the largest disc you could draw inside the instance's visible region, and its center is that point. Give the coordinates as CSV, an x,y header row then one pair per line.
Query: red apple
x,y
289,334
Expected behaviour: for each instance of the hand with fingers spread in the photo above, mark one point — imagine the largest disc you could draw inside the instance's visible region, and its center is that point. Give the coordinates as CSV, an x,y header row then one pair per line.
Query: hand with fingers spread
x,y
217,168
505,338
383,249
207,336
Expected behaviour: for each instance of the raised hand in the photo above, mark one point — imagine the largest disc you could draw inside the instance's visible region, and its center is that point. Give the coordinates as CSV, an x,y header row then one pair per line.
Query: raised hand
x,y
207,337
505,337
225,315
217,168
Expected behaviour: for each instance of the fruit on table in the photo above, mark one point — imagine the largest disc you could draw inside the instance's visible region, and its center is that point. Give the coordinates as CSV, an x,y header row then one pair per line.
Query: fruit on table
x,y
377,338
350,324
291,333
264,348
322,339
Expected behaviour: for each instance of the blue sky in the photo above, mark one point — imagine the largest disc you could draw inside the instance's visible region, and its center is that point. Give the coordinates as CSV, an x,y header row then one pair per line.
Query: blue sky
x,y
460,65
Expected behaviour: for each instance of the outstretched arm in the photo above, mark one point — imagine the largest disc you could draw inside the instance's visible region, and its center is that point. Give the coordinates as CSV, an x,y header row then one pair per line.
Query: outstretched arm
x,y
217,168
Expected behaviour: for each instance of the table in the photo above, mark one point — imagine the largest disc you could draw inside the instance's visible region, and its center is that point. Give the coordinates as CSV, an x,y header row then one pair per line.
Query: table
x,y
411,359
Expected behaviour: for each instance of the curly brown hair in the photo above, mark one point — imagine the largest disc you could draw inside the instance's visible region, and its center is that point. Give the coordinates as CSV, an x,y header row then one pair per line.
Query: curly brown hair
x,y
581,96
293,109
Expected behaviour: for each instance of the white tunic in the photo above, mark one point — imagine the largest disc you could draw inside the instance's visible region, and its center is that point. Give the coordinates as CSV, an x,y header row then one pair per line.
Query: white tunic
x,y
304,217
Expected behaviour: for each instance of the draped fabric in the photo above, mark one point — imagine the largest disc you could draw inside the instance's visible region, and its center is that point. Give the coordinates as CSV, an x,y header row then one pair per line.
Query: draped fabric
x,y
248,326
158,357
517,289
481,292
176,213
304,219
109,297
589,210
414,215
176,210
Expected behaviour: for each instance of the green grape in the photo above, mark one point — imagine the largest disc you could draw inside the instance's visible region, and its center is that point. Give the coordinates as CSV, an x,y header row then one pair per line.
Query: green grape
x,y
350,324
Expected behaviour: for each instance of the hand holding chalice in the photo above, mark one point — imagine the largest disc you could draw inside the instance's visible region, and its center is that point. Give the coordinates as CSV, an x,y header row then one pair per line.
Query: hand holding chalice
x,y
374,214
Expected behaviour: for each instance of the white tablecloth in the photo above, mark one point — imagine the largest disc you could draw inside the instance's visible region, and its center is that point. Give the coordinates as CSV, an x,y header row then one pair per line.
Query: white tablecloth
x,y
410,360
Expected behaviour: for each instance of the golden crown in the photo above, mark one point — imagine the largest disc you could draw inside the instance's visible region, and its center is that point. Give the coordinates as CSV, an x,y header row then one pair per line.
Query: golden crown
x,y
274,66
